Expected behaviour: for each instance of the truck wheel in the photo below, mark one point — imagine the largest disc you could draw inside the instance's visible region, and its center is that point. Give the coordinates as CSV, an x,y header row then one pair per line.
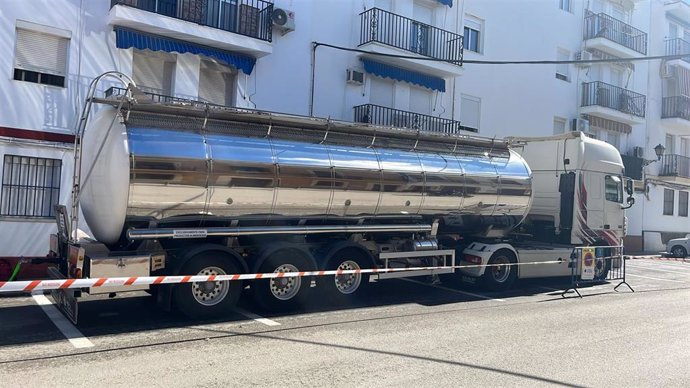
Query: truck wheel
x,y
283,294
679,251
601,268
346,286
208,299
500,274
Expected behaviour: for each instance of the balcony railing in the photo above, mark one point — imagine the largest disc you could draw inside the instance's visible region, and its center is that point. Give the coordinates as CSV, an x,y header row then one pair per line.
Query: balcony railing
x,y
675,165
678,46
675,107
601,25
380,115
410,35
614,97
245,17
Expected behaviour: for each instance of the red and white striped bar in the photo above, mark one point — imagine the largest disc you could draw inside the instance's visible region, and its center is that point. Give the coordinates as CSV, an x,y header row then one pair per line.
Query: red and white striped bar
x,y
54,284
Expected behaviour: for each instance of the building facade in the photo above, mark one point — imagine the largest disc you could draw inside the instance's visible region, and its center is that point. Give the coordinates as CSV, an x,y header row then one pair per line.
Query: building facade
x,y
384,62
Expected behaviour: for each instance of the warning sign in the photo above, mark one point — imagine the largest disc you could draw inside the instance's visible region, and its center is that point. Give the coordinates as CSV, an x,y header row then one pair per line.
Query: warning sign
x,y
588,260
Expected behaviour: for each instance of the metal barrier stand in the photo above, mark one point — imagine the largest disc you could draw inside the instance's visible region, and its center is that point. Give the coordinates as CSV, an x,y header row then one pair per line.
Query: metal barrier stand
x,y
596,264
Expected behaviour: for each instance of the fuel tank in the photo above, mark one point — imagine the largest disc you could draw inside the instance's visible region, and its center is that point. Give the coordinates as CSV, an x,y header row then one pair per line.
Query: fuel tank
x,y
161,166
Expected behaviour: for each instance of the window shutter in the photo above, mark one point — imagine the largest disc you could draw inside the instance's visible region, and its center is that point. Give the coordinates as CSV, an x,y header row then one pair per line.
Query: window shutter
x,y
39,52
216,83
470,110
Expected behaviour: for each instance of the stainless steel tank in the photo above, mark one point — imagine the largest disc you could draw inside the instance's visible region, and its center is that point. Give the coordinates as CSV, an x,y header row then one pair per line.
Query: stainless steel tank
x,y
167,165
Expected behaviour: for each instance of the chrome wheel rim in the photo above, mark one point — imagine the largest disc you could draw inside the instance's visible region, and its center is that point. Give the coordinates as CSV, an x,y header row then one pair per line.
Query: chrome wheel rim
x,y
348,283
501,269
285,288
210,293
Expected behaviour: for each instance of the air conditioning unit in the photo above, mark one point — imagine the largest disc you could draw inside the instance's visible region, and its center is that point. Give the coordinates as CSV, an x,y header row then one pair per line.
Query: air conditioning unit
x,y
637,152
283,20
666,71
355,77
583,56
581,125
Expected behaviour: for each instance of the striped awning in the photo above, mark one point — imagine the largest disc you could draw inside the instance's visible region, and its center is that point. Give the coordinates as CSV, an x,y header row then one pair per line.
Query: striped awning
x,y
596,122
126,38
446,2
399,74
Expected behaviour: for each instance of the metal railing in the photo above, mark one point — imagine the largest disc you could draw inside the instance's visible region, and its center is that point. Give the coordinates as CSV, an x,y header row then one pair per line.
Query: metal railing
x,y
389,117
675,165
676,106
410,35
601,25
678,46
245,17
614,97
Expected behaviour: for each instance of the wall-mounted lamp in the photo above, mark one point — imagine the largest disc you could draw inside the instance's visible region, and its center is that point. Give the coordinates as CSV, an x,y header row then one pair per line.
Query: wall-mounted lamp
x,y
659,151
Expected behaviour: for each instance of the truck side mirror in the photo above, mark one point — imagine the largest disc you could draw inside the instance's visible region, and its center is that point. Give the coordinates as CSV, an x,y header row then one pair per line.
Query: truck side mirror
x,y
629,187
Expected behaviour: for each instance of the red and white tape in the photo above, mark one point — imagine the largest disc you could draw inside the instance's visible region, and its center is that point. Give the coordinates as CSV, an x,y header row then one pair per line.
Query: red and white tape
x,y
54,284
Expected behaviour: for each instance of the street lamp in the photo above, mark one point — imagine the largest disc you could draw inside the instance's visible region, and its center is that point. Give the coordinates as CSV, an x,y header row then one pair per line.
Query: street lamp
x,y
659,151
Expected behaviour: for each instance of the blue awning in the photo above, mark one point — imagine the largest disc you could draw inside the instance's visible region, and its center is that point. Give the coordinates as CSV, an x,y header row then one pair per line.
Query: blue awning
x,y
446,2
126,38
396,73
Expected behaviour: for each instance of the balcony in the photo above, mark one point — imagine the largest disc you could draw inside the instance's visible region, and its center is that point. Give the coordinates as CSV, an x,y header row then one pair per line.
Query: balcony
x,y
675,112
678,8
613,36
675,165
388,117
242,26
612,102
678,46
389,33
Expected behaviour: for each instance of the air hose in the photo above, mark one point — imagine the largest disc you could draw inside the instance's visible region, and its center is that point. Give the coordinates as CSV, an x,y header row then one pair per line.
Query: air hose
x,y
16,270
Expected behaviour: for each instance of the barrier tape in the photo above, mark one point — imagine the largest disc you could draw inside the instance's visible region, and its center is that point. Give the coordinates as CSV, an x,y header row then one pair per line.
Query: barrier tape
x,y
55,284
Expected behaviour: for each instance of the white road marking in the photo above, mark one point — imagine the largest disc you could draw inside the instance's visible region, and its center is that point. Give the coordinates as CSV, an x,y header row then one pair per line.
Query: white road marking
x,y
649,277
256,317
75,337
453,290
645,268
680,268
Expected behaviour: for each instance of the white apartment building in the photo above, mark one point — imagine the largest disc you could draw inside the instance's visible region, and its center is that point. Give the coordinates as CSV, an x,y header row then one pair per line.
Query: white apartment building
x,y
244,53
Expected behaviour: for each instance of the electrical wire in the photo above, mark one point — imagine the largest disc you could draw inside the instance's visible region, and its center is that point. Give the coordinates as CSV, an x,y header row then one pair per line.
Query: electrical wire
x,y
504,62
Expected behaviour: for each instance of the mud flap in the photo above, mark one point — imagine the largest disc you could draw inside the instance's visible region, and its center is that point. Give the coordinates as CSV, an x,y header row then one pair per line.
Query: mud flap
x,y
65,299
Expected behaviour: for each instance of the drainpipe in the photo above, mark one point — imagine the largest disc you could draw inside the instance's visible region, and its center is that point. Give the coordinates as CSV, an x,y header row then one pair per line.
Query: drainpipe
x,y
311,83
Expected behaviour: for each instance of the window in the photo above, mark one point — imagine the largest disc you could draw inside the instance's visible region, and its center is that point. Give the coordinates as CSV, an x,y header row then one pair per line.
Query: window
x,y
668,202
670,144
421,100
683,203
30,186
473,28
470,111
154,72
217,83
381,91
40,57
563,69
559,124
564,5
613,187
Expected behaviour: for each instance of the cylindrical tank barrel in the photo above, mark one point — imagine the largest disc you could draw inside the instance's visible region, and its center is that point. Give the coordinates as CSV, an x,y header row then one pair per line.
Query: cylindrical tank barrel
x,y
161,172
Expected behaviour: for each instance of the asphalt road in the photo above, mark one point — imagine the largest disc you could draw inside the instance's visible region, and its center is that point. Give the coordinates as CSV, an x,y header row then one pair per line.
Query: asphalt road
x,y
406,333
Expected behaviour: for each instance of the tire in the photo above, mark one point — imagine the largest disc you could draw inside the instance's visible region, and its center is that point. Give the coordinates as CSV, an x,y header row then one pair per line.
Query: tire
x,y
679,251
498,277
283,294
601,269
346,287
208,299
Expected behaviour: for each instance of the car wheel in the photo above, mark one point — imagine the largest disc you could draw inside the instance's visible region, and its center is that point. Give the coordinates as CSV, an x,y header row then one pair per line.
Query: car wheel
x,y
679,251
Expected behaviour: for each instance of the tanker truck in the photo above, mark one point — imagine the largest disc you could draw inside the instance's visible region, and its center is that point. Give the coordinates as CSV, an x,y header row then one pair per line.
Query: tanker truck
x,y
185,188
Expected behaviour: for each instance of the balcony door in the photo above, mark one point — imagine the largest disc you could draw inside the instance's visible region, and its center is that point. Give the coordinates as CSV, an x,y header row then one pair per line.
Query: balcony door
x,y
217,83
153,72
419,33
